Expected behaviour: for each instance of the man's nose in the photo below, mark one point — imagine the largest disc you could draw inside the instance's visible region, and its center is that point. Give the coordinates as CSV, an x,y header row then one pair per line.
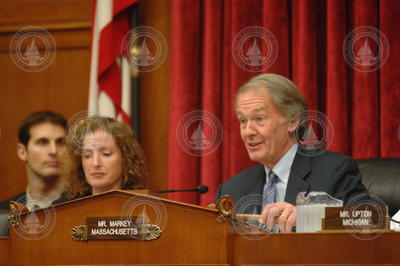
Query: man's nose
x,y
54,149
249,129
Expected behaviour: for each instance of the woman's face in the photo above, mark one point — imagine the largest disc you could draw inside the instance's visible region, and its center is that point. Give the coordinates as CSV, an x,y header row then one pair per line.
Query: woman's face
x,y
102,161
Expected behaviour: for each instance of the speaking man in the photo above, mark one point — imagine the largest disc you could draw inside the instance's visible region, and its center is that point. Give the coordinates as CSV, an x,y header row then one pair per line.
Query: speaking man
x,y
269,109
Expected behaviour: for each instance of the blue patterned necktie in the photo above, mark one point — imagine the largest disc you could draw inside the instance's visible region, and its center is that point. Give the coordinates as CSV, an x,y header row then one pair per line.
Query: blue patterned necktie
x,y
269,194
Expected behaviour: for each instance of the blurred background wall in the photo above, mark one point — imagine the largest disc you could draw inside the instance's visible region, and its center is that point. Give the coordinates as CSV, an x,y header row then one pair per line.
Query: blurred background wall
x,y
64,85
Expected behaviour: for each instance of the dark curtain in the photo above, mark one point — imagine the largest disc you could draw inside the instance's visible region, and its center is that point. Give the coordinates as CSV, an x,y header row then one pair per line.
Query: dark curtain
x,y
364,107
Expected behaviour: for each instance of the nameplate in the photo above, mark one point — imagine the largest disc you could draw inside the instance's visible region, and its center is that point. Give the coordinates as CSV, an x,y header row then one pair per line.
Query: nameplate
x,y
357,218
115,228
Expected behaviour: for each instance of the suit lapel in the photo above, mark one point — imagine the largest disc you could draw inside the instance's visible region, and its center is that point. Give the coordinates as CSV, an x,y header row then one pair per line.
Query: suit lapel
x,y
256,182
298,173
255,185
296,183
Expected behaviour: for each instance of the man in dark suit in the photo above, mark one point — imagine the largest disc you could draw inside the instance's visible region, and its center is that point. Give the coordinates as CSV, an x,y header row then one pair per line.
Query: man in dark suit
x,y
41,141
269,108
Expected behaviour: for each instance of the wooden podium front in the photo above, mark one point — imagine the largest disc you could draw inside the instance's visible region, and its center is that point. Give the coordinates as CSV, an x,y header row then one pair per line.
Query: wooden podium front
x,y
190,234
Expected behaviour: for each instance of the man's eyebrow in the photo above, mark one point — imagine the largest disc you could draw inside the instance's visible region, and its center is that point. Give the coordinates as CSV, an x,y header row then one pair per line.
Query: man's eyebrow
x,y
255,110
41,138
258,109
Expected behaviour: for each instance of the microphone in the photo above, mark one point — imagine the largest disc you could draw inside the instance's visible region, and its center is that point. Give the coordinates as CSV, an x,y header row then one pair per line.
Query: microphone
x,y
201,189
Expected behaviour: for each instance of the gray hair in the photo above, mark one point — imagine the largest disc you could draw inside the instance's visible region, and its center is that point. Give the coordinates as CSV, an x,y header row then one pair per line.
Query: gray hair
x,y
283,92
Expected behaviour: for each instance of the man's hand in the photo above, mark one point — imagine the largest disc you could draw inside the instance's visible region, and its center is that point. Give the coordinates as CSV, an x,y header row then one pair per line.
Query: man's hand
x,y
282,213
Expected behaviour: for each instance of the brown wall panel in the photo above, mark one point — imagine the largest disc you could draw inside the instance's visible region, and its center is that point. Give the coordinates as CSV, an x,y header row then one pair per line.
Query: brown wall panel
x,y
15,14
154,97
62,87
4,251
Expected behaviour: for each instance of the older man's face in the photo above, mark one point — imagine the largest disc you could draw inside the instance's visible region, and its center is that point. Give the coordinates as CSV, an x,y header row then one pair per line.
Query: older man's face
x,y
263,127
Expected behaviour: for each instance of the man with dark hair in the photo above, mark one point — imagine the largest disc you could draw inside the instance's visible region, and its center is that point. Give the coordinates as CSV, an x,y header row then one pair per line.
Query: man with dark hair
x,y
41,141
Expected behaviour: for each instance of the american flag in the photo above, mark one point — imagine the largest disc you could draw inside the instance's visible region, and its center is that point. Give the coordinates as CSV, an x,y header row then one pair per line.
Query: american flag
x,y
110,79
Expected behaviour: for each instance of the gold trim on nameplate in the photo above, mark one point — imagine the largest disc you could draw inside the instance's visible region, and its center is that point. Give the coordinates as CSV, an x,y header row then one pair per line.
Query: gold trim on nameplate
x,y
115,228
16,209
150,232
79,233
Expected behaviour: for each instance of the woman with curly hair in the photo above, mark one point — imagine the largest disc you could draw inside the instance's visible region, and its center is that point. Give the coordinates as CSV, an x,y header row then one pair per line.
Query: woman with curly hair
x,y
103,154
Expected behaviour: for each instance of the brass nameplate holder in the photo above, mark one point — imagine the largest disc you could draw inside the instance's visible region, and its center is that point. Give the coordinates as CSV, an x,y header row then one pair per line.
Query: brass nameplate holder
x,y
358,218
16,209
224,206
115,228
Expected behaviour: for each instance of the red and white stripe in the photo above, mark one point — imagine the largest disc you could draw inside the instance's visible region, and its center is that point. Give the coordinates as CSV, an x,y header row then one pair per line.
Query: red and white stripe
x,y
110,86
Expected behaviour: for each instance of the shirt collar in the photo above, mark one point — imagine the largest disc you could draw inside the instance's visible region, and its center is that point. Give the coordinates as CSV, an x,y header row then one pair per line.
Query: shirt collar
x,y
43,202
282,168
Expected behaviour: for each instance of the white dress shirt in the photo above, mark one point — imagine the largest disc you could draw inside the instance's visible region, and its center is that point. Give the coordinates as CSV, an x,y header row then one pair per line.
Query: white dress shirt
x,y
43,202
282,171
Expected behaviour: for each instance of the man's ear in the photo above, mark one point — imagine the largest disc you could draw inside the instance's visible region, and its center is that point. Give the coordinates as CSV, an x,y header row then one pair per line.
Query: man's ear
x,y
293,124
22,152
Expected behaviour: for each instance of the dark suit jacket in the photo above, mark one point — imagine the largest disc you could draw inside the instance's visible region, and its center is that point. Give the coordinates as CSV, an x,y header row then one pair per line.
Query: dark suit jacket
x,y
334,173
21,198
4,206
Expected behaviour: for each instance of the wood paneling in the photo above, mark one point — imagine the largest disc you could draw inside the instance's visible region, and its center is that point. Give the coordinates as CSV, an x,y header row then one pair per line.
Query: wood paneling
x,y
62,87
4,250
343,248
154,97
50,14
190,234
